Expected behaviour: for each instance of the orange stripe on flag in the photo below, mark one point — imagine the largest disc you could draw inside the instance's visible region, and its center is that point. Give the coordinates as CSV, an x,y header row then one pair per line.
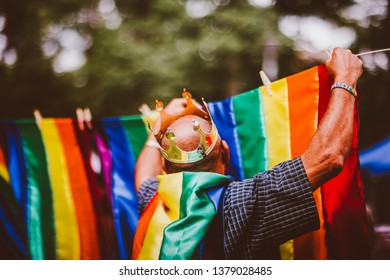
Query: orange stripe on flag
x,y
80,188
143,225
303,95
303,108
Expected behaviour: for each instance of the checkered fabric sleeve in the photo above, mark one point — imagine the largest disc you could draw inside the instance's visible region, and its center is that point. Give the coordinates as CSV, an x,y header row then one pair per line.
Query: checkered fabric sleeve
x,y
145,193
267,210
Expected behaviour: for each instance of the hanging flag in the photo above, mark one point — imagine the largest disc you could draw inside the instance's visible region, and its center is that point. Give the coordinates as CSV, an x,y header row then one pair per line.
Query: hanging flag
x,y
79,188
97,163
70,192
67,231
266,126
126,136
13,239
342,197
29,175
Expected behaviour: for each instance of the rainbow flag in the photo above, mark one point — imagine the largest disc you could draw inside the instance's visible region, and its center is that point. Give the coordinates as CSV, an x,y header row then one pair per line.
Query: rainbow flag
x,y
126,137
266,126
13,242
175,223
67,193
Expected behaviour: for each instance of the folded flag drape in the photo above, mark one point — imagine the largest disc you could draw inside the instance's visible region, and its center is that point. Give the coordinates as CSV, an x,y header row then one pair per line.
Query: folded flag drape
x,y
177,219
68,193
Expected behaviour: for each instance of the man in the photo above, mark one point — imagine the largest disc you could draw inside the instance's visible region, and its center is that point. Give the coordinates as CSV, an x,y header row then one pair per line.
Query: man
x,y
262,212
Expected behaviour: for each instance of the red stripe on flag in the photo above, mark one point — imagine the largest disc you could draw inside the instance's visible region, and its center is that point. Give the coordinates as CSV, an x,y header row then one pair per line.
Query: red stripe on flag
x,y
343,203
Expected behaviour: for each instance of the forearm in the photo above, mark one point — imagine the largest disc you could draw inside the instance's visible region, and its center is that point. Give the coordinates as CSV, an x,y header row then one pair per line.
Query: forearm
x,y
329,147
327,151
149,163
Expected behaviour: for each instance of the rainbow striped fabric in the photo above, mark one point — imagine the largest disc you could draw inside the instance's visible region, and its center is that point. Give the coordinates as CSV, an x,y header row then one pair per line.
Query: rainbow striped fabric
x,y
186,203
67,193
269,125
266,126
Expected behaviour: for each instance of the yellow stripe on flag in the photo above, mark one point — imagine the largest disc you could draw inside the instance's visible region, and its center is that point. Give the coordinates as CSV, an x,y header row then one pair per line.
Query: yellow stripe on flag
x,y
277,122
68,243
167,211
276,111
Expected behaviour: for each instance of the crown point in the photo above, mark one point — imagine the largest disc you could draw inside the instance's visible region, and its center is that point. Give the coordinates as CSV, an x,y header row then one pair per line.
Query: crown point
x,y
159,105
186,94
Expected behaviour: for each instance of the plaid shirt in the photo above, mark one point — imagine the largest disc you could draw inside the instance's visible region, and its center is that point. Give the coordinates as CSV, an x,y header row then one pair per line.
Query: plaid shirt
x,y
262,212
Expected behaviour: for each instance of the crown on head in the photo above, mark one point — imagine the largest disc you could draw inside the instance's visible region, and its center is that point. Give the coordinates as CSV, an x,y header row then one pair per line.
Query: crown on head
x,y
207,141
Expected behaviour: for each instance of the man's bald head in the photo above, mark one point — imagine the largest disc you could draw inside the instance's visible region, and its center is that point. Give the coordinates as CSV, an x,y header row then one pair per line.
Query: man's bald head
x,y
187,139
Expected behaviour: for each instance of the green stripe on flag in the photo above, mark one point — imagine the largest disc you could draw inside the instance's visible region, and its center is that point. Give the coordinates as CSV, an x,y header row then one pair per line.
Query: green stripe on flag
x,y
136,132
251,134
40,202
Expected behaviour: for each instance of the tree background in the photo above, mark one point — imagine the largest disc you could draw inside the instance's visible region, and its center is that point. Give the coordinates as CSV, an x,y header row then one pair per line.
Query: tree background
x,y
112,56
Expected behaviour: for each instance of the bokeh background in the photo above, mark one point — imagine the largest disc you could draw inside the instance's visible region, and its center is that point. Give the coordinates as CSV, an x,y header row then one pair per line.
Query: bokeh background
x,y
112,56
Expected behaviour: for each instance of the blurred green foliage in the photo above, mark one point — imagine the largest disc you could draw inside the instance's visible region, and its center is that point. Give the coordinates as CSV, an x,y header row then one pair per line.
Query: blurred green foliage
x,y
139,50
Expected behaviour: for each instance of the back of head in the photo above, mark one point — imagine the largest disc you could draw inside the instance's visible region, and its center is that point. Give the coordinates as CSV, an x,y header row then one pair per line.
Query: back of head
x,y
187,139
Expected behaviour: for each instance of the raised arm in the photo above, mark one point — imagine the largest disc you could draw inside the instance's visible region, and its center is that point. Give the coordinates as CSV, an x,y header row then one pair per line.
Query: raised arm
x,y
328,149
149,163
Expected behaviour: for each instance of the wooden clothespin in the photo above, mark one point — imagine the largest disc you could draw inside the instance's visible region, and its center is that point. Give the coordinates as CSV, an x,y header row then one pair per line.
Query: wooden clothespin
x,y
145,110
80,118
266,82
38,117
150,116
88,117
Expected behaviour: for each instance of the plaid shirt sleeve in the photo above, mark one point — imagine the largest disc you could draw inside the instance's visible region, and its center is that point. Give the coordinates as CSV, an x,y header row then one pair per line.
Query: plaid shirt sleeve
x,y
267,210
145,193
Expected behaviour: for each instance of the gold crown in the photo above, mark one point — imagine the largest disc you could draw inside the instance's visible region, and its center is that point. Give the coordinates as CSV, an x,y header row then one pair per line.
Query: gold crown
x,y
207,140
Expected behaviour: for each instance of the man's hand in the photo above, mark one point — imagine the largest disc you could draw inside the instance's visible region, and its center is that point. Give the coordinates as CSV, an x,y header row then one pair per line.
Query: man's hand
x,y
175,106
344,66
329,147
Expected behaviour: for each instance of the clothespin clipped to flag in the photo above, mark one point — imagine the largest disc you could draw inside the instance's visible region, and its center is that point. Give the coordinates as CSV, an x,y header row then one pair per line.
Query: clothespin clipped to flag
x,y
80,118
266,82
38,117
88,117
150,116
